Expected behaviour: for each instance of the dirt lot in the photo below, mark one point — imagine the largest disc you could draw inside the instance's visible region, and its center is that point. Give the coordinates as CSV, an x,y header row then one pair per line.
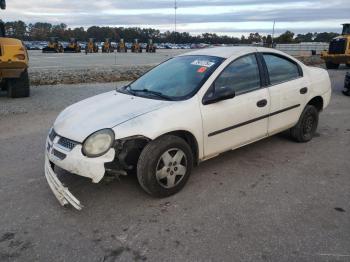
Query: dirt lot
x,y
274,200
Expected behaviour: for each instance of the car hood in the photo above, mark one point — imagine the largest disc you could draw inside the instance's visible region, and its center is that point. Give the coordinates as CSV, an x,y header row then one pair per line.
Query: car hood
x,y
106,110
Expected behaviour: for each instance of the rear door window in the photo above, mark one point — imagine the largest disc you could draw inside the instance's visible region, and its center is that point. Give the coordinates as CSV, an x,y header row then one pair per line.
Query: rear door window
x,y
280,69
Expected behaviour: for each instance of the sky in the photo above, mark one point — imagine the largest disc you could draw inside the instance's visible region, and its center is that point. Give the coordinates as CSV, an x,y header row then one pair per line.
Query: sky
x,y
230,17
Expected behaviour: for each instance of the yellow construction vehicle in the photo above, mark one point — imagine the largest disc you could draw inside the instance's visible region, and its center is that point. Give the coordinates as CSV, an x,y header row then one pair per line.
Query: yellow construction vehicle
x,y
53,46
13,64
339,50
107,46
91,46
73,46
121,46
151,48
136,47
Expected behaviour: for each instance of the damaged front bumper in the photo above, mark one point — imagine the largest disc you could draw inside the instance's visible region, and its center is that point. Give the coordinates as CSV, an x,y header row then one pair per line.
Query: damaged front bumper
x,y
59,190
68,155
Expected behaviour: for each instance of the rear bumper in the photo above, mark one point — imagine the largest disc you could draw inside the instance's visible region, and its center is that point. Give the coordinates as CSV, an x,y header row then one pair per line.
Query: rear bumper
x,y
11,73
12,69
326,98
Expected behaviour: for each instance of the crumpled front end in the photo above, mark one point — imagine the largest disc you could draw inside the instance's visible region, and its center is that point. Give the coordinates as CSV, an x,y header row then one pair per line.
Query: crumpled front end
x,y
67,154
59,190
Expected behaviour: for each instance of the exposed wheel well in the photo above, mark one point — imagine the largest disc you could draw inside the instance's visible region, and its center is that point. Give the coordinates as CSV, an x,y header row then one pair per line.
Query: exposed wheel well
x,y
317,102
191,140
128,150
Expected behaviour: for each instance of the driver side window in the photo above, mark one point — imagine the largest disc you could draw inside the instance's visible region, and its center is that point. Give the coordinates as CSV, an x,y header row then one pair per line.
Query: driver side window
x,y
242,75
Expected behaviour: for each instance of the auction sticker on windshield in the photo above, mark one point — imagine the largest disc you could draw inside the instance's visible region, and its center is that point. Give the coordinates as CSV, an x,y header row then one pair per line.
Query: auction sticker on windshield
x,y
205,63
202,69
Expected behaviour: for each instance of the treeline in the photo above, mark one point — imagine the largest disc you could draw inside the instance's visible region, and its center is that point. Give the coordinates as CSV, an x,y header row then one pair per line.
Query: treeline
x,y
43,31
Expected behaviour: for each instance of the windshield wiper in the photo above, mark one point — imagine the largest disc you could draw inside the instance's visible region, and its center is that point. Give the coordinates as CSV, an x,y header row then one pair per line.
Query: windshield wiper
x,y
123,89
158,94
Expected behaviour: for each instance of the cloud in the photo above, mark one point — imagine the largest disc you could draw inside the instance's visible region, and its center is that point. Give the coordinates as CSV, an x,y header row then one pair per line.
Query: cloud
x,y
215,15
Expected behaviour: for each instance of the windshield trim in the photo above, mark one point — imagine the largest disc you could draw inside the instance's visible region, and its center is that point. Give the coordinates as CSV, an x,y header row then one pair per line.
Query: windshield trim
x,y
182,98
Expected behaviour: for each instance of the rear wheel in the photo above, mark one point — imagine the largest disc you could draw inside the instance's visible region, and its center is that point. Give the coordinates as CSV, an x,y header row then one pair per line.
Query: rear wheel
x,y
331,65
164,166
18,87
306,127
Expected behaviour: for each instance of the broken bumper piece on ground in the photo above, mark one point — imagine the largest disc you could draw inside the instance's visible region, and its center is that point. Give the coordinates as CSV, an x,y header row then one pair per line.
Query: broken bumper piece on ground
x,y
60,191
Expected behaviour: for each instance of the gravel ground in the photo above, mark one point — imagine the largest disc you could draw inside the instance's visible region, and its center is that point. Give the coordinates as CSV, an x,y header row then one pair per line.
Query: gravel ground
x,y
274,200
52,69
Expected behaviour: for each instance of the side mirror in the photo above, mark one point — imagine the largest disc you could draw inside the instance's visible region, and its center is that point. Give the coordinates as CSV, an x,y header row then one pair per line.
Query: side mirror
x,y
218,94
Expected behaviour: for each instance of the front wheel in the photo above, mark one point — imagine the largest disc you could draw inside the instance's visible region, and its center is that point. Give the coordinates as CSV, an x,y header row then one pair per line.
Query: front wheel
x,y
164,166
306,127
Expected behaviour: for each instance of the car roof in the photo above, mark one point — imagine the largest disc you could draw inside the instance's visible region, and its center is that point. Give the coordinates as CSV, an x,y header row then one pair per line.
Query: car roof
x,y
226,52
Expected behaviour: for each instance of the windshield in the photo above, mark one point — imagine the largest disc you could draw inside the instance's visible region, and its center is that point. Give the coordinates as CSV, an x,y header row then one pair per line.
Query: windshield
x,y
176,79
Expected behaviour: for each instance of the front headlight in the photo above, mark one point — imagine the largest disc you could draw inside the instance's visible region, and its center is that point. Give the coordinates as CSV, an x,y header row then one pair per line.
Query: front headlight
x,y
98,143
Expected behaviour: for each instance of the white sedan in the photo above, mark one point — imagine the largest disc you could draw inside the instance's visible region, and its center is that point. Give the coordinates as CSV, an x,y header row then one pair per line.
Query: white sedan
x,y
184,111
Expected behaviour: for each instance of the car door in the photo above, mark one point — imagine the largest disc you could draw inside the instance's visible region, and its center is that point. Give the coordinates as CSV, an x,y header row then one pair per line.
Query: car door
x,y
230,123
288,91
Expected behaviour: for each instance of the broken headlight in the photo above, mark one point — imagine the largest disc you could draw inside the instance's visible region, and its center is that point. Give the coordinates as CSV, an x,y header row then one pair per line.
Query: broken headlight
x,y
98,143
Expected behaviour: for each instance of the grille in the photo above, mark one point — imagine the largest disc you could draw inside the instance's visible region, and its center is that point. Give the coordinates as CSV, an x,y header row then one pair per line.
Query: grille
x,y
52,134
58,154
337,46
67,143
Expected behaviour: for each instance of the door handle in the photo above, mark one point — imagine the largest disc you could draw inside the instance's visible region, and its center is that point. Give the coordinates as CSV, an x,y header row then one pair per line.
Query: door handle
x,y
303,90
261,103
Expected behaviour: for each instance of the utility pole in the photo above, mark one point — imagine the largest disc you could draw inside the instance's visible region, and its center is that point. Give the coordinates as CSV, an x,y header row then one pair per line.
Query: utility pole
x,y
273,31
175,8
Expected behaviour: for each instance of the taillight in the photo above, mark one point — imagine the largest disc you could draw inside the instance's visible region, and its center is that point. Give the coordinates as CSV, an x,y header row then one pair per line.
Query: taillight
x,y
20,57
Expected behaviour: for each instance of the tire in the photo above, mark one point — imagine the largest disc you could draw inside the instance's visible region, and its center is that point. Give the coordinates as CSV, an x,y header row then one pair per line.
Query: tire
x,y
348,65
18,87
171,176
330,65
346,92
306,127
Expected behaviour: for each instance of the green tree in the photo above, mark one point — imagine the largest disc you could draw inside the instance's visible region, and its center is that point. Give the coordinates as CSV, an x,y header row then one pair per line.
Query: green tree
x,y
285,38
309,37
254,38
101,33
325,37
16,29
40,31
